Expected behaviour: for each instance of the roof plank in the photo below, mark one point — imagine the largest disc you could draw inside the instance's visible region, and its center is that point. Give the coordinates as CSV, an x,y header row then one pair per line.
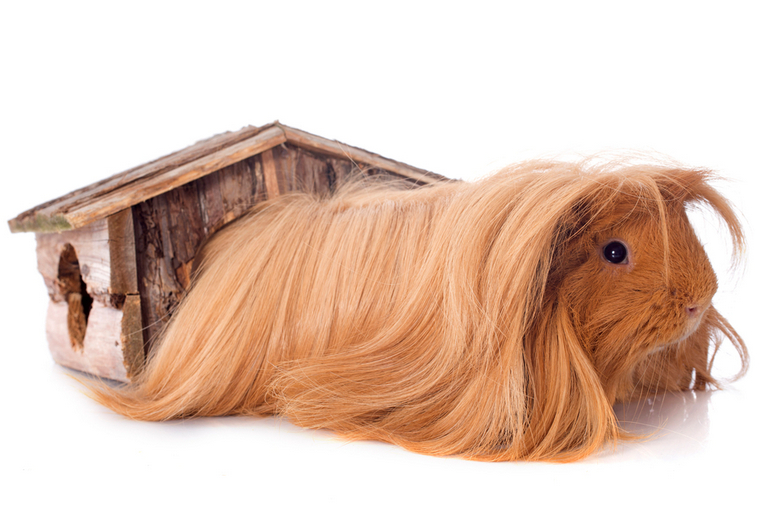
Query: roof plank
x,y
51,214
357,155
135,192
125,189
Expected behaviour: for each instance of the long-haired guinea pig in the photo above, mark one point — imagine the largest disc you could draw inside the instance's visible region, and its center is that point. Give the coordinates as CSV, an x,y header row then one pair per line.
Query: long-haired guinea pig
x,y
495,320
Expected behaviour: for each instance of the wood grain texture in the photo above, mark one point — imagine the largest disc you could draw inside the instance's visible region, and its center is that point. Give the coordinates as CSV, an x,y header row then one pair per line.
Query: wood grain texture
x,y
92,248
131,194
357,155
121,191
110,343
171,228
139,234
301,169
121,247
270,174
132,339
101,354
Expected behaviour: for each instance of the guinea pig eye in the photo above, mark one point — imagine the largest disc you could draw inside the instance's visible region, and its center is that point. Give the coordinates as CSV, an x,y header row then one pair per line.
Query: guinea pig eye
x,y
616,253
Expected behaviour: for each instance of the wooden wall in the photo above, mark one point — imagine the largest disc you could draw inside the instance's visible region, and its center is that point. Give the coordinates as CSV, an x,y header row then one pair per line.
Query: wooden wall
x,y
170,228
106,342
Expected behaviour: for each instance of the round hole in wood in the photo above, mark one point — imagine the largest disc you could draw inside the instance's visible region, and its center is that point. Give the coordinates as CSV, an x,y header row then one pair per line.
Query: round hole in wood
x,y
74,290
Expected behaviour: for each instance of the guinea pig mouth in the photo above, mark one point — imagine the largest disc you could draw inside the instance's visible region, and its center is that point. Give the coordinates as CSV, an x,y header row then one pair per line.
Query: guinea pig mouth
x,y
691,326
686,330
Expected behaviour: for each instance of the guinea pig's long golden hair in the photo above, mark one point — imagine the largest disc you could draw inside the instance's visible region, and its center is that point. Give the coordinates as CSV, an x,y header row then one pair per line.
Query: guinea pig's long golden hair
x,y
480,320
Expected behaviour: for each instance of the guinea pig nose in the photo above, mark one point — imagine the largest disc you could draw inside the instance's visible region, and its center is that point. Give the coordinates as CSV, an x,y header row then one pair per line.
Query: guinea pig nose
x,y
692,311
695,308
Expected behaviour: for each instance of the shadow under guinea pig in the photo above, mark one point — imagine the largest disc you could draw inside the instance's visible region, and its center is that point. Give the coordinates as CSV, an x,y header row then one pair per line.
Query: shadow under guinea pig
x,y
674,424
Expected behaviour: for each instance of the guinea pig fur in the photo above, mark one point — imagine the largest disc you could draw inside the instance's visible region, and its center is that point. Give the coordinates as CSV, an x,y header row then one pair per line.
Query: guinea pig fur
x,y
495,320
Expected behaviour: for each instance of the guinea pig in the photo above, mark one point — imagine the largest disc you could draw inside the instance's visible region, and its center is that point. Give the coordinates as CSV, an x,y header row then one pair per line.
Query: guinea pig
x,y
495,320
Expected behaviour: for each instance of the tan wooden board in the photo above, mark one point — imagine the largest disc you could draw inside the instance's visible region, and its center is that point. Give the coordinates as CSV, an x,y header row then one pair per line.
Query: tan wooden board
x,y
109,342
101,354
92,249
121,191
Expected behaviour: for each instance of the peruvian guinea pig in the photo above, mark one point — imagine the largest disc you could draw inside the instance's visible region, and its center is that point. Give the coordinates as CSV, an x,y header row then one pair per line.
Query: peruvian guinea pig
x,y
495,320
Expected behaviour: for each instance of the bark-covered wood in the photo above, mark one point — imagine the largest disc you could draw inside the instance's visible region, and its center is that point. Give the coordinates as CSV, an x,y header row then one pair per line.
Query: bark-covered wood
x,y
304,171
301,169
89,327
92,250
172,227
130,194
101,353
121,246
132,338
270,176
121,191
329,147
114,282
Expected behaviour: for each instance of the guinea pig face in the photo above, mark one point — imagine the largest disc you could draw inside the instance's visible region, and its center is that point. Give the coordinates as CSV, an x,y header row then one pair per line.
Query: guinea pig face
x,y
638,290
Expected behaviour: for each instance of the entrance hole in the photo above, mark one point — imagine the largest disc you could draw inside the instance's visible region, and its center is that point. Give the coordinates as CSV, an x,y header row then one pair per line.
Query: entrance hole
x,y
74,289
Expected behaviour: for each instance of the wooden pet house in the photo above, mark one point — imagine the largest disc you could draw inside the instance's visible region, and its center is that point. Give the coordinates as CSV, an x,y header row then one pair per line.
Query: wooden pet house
x,y
117,256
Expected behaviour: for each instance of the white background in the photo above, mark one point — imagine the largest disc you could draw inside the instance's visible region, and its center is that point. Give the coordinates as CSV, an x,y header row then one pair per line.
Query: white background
x,y
89,90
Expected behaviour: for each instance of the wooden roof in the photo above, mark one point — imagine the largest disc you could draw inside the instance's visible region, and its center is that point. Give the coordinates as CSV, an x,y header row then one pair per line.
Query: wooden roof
x,y
125,189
